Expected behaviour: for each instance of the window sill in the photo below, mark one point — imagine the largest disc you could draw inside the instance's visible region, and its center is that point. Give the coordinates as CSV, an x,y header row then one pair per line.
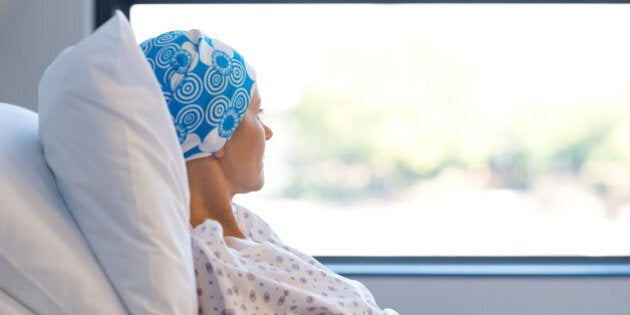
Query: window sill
x,y
479,266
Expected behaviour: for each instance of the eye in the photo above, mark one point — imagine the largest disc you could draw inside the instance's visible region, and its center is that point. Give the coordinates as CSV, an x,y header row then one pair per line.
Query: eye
x,y
260,113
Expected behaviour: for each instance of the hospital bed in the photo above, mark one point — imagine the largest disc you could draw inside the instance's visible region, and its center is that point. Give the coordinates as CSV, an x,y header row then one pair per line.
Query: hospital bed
x,y
93,192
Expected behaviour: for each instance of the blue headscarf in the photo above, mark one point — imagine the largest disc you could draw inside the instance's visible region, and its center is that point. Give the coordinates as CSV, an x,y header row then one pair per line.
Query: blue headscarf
x,y
206,84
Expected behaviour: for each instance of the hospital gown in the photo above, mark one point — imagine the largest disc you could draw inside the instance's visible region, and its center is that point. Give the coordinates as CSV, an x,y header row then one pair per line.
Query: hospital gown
x,y
261,275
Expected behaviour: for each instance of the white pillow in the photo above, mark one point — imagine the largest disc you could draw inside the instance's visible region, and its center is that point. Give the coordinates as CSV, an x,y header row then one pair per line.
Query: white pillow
x,y
108,138
45,263
9,306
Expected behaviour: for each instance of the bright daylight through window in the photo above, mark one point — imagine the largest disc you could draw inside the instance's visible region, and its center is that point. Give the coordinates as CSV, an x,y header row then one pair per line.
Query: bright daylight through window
x,y
435,129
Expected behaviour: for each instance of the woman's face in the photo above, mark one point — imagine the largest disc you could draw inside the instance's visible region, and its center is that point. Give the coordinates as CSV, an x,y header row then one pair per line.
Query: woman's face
x,y
243,153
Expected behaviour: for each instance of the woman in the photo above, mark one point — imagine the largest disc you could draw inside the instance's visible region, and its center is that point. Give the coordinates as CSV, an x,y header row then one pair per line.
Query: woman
x,y
241,266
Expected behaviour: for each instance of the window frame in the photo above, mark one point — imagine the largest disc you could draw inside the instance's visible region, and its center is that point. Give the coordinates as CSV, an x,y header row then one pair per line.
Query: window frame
x,y
432,266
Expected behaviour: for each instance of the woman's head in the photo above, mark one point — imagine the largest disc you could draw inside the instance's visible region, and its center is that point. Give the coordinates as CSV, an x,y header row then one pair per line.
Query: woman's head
x,y
212,96
207,86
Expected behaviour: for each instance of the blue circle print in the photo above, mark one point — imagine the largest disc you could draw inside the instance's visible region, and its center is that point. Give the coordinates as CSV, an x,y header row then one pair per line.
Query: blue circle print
x,y
197,72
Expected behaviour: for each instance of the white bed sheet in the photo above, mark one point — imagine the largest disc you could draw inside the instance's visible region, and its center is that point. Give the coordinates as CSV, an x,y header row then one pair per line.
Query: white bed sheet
x,y
45,262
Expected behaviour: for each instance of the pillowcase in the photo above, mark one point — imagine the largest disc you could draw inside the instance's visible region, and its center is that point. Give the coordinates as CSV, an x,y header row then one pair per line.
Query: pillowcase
x,y
45,263
8,305
108,138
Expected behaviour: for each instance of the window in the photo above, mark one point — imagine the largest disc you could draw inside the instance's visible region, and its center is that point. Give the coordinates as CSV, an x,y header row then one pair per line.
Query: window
x,y
435,129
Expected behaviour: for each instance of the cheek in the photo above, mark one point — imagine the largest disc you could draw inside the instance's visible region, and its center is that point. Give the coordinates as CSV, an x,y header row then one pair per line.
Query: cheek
x,y
260,133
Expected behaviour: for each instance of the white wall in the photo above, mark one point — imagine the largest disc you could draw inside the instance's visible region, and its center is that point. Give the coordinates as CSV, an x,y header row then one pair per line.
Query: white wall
x,y
32,33
502,295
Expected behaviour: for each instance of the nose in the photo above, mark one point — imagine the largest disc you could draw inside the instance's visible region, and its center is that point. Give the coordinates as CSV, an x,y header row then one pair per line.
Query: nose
x,y
268,132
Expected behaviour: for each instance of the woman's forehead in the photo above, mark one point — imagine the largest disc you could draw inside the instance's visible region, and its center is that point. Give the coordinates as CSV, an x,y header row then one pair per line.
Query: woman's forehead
x,y
255,99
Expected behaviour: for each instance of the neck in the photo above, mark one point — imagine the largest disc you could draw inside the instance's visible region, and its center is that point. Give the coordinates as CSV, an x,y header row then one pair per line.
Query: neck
x,y
210,196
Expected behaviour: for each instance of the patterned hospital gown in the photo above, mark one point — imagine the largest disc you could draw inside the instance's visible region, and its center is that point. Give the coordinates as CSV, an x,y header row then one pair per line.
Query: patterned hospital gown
x,y
261,275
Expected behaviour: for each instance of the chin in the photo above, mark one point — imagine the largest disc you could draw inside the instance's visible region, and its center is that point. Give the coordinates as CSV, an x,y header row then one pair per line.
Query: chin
x,y
260,185
256,186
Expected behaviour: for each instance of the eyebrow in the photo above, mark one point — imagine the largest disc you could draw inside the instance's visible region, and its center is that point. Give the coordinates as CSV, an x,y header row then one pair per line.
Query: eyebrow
x,y
257,101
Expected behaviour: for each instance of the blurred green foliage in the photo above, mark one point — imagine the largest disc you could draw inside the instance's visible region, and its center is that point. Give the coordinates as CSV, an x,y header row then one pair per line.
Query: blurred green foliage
x,y
373,124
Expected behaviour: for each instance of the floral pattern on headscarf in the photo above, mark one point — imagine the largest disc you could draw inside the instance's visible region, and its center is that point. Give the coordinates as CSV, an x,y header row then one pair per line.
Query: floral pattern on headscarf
x,y
207,87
